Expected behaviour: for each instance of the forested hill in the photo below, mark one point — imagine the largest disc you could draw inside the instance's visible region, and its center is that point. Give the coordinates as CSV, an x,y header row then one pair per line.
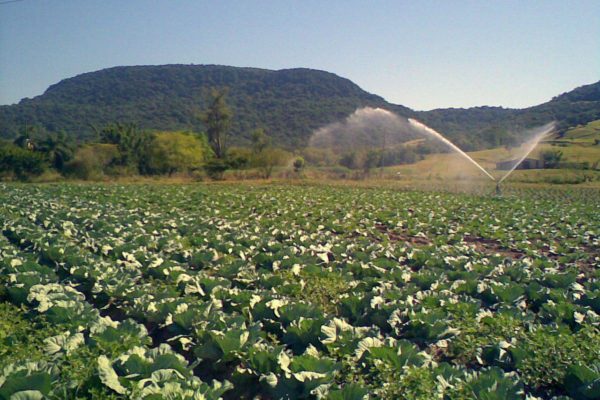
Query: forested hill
x,y
287,104
485,127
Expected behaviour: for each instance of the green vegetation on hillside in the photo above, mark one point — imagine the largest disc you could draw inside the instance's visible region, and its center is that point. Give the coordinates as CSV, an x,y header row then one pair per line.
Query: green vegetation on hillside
x,y
210,129
584,134
488,127
288,104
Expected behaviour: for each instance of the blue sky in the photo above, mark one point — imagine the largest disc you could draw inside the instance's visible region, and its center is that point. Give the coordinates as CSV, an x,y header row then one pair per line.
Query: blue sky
x,y
421,54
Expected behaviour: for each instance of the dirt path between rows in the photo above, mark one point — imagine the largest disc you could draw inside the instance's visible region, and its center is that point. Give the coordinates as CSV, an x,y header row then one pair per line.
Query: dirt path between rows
x,y
484,245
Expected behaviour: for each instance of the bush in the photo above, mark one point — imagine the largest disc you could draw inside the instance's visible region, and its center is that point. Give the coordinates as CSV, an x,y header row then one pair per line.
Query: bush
x,y
268,159
239,157
92,161
176,151
551,158
215,168
21,163
298,164
350,160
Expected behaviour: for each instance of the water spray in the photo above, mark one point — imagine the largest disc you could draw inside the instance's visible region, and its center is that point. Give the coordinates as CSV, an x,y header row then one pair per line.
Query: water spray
x,y
365,127
424,128
353,132
546,129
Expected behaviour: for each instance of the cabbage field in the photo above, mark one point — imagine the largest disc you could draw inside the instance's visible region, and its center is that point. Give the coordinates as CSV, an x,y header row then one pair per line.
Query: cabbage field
x,y
298,292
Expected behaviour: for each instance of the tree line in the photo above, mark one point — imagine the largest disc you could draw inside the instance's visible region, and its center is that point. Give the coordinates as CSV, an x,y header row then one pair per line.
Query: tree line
x,y
123,149
288,104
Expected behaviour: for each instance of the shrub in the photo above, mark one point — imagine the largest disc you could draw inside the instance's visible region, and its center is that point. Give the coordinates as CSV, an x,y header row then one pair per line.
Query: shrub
x,y
298,164
215,168
21,163
92,161
176,151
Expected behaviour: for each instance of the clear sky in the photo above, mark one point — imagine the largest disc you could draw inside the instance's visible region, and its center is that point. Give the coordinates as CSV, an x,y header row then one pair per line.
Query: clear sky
x,y
421,54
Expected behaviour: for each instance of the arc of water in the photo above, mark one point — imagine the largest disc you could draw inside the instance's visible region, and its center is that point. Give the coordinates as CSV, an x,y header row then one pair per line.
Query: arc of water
x,y
428,130
532,144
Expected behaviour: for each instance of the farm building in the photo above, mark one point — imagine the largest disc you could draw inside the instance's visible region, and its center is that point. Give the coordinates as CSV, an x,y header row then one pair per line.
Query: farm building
x,y
528,163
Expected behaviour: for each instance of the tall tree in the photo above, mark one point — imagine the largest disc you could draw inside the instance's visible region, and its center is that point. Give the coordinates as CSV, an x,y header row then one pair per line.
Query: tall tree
x,y
57,148
93,161
260,140
133,144
217,121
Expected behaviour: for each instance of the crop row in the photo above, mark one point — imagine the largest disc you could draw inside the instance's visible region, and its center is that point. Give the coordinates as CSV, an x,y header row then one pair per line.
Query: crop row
x,y
299,292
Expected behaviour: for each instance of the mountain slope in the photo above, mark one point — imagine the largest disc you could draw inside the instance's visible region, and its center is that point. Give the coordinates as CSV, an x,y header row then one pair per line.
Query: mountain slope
x,y
486,127
288,104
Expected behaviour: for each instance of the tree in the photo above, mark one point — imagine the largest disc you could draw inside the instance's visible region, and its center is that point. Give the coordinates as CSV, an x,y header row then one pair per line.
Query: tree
x,y
372,159
215,168
57,149
132,143
270,158
239,157
399,155
320,157
217,121
260,140
176,151
551,158
349,160
265,157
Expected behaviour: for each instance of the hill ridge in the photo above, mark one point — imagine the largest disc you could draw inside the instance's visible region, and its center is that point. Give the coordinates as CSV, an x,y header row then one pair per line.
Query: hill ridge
x,y
289,104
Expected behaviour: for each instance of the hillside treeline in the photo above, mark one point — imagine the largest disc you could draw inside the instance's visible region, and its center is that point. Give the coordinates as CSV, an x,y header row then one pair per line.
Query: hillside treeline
x,y
480,128
124,149
289,105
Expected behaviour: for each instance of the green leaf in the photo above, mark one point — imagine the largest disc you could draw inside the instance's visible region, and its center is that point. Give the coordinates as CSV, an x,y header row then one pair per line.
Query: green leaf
x,y
405,354
349,392
312,364
232,340
63,343
108,376
580,378
262,361
21,381
592,390
169,361
209,350
27,395
493,384
134,365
